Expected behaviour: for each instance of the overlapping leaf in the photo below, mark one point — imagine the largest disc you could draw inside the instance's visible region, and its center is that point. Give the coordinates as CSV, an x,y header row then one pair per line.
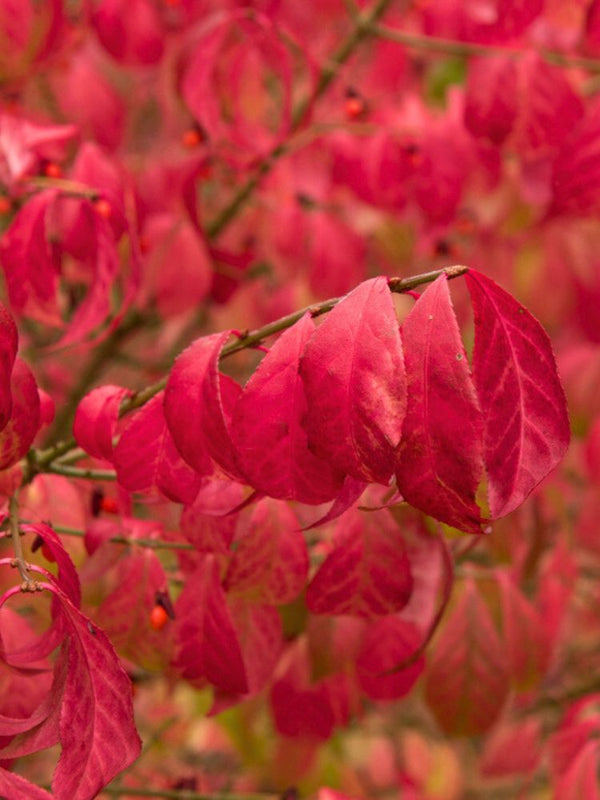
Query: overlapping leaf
x,y
88,708
96,420
440,458
9,341
467,676
367,573
526,427
267,427
353,373
20,430
208,645
270,561
146,456
198,402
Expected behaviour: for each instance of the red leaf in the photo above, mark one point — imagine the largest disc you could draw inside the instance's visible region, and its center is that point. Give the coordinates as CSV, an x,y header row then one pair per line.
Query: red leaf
x,y
513,749
208,645
525,413
96,420
97,731
270,561
170,240
576,170
29,262
125,613
17,788
581,778
9,341
353,374
68,579
146,456
267,427
301,709
367,573
524,635
197,406
440,459
491,97
260,636
349,494
90,700
18,434
467,677
388,642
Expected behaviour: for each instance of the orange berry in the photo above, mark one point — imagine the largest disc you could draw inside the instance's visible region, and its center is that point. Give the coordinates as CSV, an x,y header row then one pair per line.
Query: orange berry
x,y
109,504
158,618
103,207
5,205
355,108
52,170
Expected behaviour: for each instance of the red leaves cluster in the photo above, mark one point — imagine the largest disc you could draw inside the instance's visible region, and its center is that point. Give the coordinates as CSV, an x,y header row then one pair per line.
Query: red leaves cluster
x,y
360,398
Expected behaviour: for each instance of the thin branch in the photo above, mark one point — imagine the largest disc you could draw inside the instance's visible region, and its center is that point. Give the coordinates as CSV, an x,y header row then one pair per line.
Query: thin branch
x,y
82,472
29,584
453,47
153,544
41,461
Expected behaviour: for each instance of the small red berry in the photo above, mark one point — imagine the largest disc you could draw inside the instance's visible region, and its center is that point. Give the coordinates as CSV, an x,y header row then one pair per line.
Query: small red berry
x,y
193,137
355,106
110,505
5,205
52,170
103,207
158,618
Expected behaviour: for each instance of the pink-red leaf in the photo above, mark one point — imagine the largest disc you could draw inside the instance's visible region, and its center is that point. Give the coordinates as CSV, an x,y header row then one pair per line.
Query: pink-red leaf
x,y
267,430
367,573
125,613
96,420
353,374
440,459
467,676
68,579
24,422
388,642
97,730
270,561
146,456
208,645
17,788
526,426
197,406
9,341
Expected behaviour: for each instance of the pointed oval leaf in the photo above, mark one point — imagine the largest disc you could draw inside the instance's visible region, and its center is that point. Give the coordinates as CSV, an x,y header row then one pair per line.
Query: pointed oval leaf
x,y
353,373
9,341
267,430
209,649
198,401
526,428
97,730
18,788
467,676
96,420
388,642
270,561
145,456
367,573
18,434
440,458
